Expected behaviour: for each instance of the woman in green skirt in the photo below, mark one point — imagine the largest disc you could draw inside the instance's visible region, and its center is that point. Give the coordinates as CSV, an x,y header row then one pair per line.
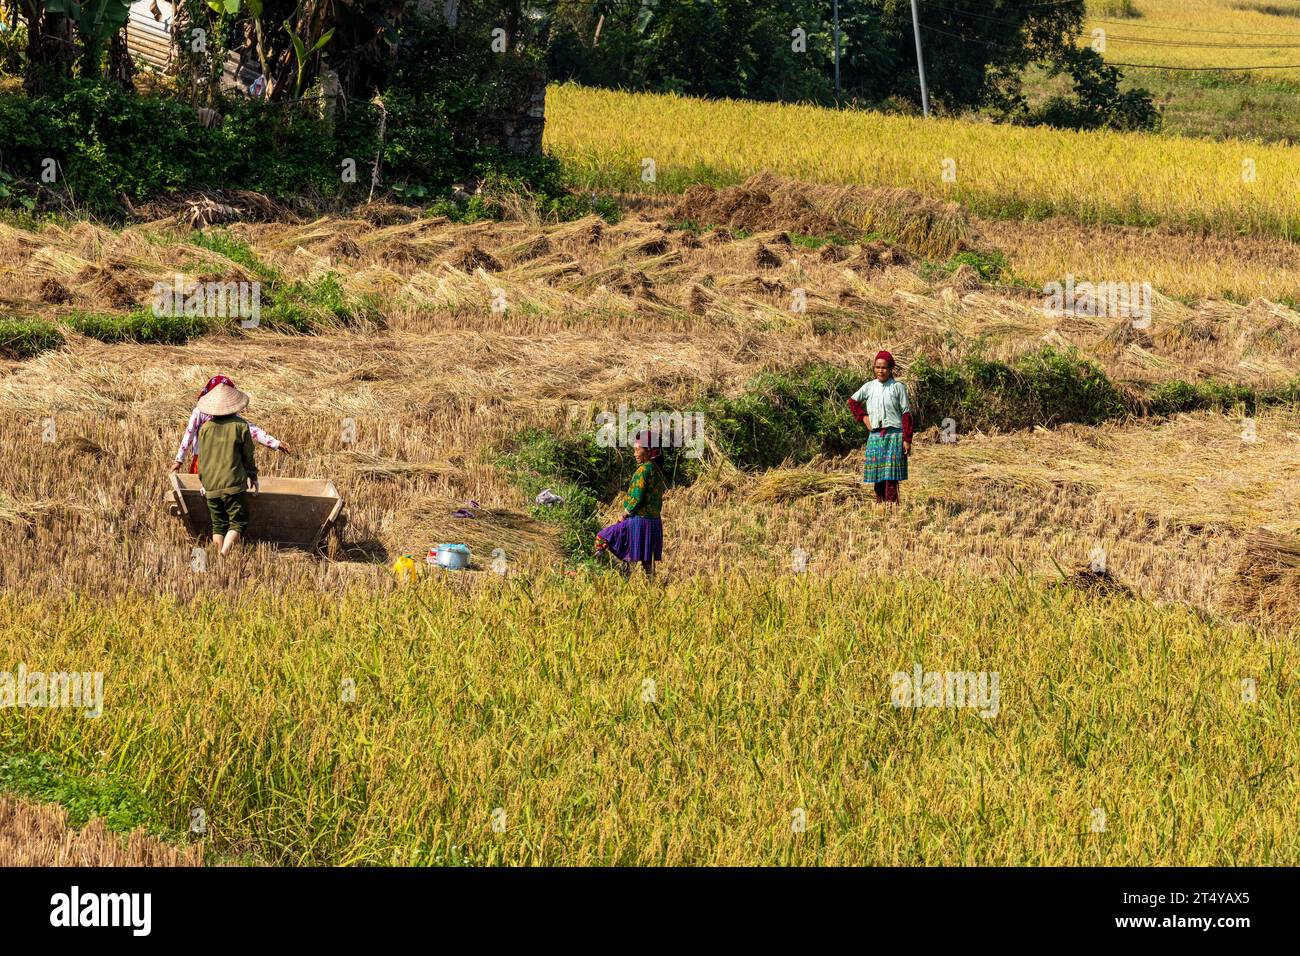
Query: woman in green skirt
x,y
882,406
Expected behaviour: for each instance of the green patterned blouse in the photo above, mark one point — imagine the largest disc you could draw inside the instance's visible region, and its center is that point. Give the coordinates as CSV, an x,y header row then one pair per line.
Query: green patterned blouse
x,y
645,497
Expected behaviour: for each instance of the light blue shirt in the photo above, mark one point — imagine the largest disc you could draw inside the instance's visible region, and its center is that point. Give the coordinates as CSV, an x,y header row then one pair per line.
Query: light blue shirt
x,y
886,403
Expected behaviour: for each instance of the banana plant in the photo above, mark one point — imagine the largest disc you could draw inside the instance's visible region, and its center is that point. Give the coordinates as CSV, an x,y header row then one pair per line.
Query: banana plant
x,y
302,54
97,21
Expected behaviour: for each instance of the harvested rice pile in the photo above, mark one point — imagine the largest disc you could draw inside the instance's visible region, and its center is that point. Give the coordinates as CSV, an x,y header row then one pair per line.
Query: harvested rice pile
x,y
767,202
1265,583
427,274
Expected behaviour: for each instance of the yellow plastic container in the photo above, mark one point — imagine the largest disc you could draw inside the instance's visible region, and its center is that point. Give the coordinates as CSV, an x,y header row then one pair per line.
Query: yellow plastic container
x,y
405,568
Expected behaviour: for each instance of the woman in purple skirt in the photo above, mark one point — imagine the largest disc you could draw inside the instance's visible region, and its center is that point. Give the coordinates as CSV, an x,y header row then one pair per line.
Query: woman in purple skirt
x,y
639,536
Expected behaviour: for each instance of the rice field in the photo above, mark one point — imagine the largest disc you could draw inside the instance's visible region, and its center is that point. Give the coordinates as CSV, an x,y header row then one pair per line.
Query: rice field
x,y
737,710
662,143
711,720
1199,33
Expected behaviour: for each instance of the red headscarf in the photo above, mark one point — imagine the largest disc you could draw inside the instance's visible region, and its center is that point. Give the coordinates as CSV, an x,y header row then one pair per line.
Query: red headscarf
x,y
214,382
882,354
645,441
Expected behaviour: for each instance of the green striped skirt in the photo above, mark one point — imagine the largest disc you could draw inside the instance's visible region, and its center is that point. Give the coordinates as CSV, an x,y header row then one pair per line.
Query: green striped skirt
x,y
885,458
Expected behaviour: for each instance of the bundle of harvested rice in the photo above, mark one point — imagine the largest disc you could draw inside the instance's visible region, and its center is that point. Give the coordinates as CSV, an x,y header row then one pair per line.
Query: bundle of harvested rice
x,y
1266,580
1086,577
790,484
359,464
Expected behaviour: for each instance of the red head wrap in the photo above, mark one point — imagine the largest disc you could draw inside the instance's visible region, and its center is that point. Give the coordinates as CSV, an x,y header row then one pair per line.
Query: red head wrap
x,y
882,354
214,382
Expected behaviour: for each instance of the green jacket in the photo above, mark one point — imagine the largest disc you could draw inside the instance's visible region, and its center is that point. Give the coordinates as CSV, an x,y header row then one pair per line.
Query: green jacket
x,y
645,497
226,456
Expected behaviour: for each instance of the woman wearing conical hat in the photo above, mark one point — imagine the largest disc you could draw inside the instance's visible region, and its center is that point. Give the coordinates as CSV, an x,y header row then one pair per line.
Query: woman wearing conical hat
x,y
227,468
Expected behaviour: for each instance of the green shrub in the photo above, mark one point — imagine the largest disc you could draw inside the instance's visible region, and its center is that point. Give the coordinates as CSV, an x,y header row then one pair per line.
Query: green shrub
x,y
108,143
26,338
786,416
1170,398
138,326
1045,388
13,50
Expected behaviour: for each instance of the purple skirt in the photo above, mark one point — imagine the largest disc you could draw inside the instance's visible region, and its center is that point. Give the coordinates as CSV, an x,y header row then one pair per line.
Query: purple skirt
x,y
635,539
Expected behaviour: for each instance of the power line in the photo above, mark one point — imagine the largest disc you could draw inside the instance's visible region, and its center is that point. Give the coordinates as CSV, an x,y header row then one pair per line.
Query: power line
x,y
1224,69
1135,66
1152,41
1156,26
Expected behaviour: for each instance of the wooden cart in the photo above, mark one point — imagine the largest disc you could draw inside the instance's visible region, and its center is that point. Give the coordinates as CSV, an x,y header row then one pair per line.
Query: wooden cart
x,y
293,512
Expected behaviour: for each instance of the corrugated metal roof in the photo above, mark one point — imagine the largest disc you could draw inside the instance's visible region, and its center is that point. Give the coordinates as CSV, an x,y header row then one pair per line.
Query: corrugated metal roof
x,y
148,36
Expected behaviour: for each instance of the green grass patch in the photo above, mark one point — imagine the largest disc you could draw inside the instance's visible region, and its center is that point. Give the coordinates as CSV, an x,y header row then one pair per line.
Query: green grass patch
x,y
991,264
1171,398
83,792
816,242
225,243
300,307
325,303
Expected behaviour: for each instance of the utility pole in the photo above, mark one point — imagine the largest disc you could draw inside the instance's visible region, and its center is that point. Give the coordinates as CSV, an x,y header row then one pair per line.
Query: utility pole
x,y
920,63
836,7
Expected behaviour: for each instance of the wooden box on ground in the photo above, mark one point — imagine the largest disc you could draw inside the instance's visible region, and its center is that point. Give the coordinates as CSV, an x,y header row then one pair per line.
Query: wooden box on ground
x,y
296,512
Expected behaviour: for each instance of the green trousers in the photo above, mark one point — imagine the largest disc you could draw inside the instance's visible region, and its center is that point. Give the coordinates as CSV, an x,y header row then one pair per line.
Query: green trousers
x,y
229,512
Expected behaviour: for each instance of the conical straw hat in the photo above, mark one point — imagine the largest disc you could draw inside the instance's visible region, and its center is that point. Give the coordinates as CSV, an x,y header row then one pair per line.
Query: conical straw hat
x,y
223,400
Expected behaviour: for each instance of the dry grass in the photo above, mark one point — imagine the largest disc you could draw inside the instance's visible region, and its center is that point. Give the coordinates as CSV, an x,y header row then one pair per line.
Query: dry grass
x,y
39,835
599,315
1155,497
644,279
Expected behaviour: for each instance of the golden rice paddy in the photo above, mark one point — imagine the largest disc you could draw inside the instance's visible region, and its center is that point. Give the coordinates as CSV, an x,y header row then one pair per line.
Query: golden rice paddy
x,y
654,142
